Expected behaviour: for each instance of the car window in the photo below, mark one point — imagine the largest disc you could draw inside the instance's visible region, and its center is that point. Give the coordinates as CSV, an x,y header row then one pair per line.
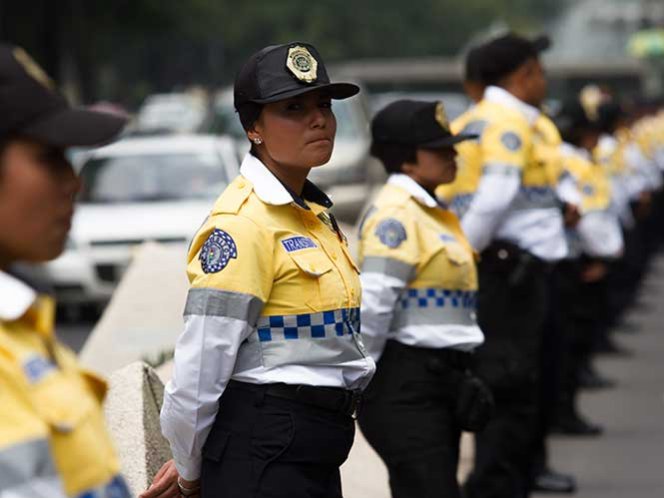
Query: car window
x,y
145,178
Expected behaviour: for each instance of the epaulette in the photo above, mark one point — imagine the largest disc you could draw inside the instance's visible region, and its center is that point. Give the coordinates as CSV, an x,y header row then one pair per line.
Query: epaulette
x,y
233,197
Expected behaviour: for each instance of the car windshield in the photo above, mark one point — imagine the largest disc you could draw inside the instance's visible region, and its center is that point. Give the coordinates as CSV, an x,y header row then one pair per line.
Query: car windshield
x,y
145,178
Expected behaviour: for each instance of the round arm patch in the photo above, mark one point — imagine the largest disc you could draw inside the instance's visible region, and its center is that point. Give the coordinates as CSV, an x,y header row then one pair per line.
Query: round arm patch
x,y
511,141
391,232
217,251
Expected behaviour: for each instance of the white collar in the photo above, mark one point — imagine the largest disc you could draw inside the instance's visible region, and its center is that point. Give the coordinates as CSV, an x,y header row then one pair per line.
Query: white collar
x,y
267,187
500,96
15,297
568,149
413,188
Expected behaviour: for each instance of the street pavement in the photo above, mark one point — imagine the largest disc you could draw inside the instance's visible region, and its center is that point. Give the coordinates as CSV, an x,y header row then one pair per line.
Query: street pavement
x,y
628,460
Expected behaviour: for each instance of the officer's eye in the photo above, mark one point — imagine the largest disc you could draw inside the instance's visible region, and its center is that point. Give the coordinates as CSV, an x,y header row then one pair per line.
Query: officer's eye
x,y
326,105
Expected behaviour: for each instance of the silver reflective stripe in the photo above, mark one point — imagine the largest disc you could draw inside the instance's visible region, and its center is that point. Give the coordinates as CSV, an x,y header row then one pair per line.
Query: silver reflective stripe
x,y
501,169
46,487
433,316
528,198
388,266
28,466
215,302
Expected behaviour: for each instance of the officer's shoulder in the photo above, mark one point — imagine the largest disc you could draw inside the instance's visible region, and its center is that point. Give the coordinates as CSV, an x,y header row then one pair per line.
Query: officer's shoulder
x,y
234,197
391,197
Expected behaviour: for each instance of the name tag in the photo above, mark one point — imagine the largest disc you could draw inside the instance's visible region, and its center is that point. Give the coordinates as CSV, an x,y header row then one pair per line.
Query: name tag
x,y
447,237
298,243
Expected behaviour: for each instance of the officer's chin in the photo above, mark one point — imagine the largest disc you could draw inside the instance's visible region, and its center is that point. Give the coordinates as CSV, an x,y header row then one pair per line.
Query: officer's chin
x,y
320,159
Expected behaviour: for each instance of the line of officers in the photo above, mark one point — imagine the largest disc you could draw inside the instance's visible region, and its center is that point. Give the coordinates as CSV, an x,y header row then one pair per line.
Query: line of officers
x,y
495,260
561,213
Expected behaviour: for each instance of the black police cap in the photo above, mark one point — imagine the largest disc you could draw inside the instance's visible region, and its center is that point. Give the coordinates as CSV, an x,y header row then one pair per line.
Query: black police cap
x,y
415,123
280,72
505,54
31,106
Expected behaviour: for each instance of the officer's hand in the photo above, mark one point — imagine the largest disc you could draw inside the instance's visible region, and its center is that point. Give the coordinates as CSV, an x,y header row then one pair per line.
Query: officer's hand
x,y
165,484
571,215
594,272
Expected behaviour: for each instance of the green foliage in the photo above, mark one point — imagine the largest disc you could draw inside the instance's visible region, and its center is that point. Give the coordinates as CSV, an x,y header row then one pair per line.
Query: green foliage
x,y
122,49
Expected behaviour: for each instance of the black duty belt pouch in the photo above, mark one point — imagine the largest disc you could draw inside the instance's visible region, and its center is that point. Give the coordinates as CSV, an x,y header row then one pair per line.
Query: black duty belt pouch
x,y
509,259
475,404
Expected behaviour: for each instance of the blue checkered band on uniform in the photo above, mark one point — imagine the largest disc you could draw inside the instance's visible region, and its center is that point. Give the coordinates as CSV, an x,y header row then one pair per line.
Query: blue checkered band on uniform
x,y
431,306
116,488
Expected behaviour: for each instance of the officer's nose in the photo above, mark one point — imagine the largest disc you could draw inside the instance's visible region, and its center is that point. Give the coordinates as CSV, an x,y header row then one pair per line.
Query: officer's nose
x,y
319,118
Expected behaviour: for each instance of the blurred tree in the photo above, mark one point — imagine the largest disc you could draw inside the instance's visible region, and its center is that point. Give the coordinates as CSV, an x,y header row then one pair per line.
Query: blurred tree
x,y
123,49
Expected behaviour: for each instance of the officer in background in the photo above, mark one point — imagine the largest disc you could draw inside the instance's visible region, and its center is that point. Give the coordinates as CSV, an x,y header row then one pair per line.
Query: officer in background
x,y
270,366
595,242
53,442
419,284
512,216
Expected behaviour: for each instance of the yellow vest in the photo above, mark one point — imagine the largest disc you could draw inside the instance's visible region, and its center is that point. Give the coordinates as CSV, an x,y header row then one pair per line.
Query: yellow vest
x,y
428,241
296,264
506,139
47,397
592,182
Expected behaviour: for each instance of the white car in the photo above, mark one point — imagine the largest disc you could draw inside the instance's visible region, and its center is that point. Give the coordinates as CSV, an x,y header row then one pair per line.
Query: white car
x,y
139,189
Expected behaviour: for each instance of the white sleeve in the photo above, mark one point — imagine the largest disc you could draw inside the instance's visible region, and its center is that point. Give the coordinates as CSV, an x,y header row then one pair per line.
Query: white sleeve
x,y
216,323
497,189
383,282
567,190
600,235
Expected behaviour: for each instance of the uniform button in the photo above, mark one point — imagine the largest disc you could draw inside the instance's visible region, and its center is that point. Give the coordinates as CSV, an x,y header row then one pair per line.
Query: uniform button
x,y
241,184
352,293
312,269
334,257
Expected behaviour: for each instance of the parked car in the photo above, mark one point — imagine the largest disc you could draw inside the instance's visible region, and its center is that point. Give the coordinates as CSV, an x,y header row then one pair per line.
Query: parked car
x,y
136,190
172,112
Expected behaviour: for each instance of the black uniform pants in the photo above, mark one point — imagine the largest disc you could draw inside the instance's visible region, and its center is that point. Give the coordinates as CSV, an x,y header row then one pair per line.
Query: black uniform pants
x,y
511,313
266,447
407,416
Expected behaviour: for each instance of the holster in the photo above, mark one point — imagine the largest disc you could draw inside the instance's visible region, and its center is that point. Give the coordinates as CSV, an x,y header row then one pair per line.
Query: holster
x,y
475,405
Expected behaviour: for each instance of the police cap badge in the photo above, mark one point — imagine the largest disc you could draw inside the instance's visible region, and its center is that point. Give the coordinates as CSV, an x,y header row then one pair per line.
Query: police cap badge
x,y
302,64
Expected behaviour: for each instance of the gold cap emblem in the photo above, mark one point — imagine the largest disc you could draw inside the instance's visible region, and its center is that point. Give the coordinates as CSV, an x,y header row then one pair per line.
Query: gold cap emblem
x,y
302,64
32,68
441,116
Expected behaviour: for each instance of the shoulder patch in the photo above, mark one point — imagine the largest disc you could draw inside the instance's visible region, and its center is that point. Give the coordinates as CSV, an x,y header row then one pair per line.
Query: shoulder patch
x,y
298,243
474,128
511,140
391,232
217,251
446,237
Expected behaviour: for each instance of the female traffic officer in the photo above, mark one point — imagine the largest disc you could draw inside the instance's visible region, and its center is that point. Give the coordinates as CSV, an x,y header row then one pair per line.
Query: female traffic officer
x,y
53,442
419,282
270,365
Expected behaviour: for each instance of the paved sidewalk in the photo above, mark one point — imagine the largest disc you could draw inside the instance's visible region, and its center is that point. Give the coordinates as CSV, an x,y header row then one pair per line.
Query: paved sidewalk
x,y
628,460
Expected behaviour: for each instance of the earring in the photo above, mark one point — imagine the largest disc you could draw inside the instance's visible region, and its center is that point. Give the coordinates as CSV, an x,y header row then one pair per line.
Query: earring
x,y
258,140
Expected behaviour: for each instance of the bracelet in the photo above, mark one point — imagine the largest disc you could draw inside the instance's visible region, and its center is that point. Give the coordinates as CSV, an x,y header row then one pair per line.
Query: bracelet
x,y
185,490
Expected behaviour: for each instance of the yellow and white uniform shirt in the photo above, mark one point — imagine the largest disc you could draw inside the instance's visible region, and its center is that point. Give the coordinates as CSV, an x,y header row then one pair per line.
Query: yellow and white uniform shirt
x,y
513,198
598,232
419,279
53,441
274,298
609,154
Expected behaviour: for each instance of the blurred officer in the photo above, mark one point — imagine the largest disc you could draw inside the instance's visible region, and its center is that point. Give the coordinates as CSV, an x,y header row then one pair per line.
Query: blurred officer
x,y
53,442
513,218
594,242
419,284
270,366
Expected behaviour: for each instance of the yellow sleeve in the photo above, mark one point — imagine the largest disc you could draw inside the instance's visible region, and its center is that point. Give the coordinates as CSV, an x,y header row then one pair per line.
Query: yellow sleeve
x,y
232,253
391,233
504,145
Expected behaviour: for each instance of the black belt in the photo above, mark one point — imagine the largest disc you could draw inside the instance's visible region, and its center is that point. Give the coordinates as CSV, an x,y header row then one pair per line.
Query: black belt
x,y
334,399
461,360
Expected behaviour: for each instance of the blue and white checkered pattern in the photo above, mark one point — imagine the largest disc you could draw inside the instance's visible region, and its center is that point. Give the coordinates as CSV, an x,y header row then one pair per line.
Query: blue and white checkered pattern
x,y
309,326
438,298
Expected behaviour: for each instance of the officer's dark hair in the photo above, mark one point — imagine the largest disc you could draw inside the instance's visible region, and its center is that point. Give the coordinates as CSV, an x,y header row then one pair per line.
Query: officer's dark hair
x,y
474,65
249,113
393,156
